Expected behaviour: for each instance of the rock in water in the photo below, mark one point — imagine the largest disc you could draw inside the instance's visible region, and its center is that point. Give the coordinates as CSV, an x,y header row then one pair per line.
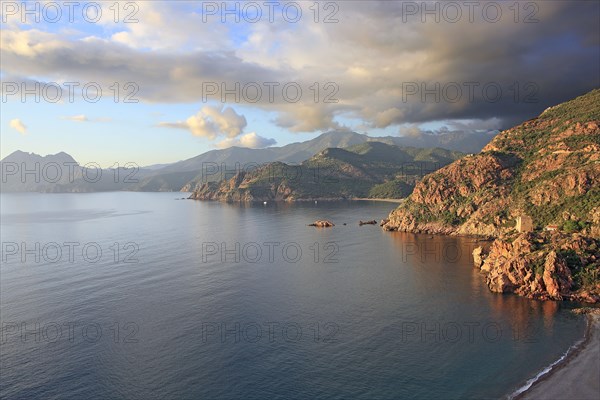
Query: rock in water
x,y
373,222
322,223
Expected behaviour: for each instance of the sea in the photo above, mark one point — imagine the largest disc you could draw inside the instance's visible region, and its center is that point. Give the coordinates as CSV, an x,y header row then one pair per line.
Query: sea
x,y
124,295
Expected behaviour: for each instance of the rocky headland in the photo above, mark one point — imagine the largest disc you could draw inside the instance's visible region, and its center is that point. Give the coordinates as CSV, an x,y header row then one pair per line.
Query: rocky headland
x,y
545,171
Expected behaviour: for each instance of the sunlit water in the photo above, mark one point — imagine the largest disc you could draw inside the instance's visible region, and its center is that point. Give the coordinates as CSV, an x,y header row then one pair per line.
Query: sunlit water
x,y
154,309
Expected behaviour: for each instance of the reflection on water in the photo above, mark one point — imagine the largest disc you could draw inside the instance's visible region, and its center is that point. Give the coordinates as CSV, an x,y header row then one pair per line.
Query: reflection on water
x,y
64,216
438,262
411,315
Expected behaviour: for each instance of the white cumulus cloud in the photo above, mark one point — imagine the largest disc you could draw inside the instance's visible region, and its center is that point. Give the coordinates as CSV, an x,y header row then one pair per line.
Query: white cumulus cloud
x,y
250,140
211,122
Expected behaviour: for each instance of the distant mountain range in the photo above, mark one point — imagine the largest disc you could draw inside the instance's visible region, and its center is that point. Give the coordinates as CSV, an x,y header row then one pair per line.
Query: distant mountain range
x,y
367,170
44,176
298,152
60,173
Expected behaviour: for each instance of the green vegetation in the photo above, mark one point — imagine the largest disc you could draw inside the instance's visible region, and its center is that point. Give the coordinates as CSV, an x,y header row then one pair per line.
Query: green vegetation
x,y
547,214
372,169
587,277
584,274
538,266
450,218
546,168
572,259
394,189
581,141
582,109
572,226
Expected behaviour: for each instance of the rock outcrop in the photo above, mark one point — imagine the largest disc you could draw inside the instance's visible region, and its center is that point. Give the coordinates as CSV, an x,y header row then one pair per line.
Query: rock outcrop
x,y
322,223
373,222
478,255
543,266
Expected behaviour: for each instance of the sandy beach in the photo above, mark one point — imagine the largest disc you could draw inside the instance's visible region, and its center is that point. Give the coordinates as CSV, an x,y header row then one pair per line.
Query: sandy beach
x,y
578,378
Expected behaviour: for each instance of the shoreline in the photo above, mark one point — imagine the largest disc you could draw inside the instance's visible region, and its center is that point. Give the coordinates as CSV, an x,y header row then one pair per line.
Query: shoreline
x,y
307,200
581,364
388,200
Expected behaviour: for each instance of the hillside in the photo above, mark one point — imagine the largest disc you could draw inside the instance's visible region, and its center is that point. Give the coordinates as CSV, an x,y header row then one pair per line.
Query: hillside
x,y
371,169
548,169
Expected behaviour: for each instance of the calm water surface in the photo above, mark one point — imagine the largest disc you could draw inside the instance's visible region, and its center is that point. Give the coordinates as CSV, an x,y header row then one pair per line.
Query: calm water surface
x,y
142,296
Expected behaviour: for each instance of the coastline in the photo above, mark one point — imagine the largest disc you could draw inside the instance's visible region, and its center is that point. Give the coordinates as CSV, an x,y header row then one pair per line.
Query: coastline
x,y
384,200
574,376
304,200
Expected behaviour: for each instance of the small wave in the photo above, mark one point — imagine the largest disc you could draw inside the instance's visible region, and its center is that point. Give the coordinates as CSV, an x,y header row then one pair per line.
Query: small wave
x,y
544,372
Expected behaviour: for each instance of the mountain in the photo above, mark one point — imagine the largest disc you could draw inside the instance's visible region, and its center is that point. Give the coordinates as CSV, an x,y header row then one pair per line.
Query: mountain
x,y
298,152
154,167
457,141
291,153
29,172
546,171
545,168
243,158
182,174
370,169
60,173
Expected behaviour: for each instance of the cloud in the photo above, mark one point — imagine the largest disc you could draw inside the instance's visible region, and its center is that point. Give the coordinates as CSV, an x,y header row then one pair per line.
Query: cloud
x,y
77,118
84,118
457,127
171,56
306,118
164,26
492,124
249,140
19,126
412,131
211,122
387,117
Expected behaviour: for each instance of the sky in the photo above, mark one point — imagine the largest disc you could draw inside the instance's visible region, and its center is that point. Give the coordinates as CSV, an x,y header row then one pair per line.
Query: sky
x,y
156,82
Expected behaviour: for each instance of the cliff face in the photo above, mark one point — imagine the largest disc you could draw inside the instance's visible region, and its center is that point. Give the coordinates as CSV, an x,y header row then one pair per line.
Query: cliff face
x,y
240,188
545,266
547,168
453,201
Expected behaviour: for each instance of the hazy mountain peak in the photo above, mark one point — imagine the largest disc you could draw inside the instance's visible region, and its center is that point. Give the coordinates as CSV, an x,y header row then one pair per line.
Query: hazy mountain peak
x,y
19,156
